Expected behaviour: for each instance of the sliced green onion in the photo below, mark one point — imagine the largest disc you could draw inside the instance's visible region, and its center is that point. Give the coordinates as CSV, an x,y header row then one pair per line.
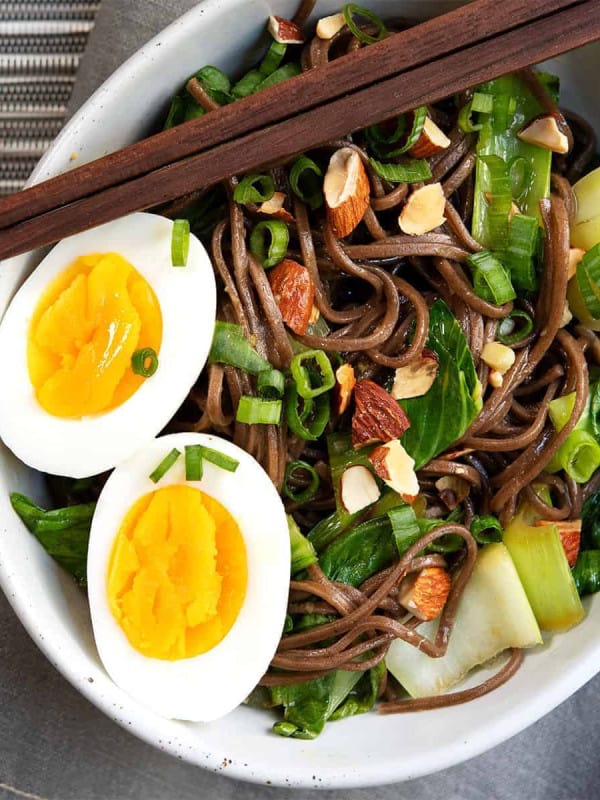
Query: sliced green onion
x,y
419,115
490,276
214,79
499,202
504,109
193,462
218,458
230,346
302,552
482,103
306,417
180,242
305,181
506,330
254,188
279,237
465,119
560,410
279,75
304,375
165,465
520,252
256,411
144,362
486,529
247,84
270,384
579,456
377,136
273,58
351,10
408,172
311,489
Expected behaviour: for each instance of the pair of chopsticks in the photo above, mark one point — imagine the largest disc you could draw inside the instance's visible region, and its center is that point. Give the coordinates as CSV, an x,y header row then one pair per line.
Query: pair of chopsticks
x,y
423,64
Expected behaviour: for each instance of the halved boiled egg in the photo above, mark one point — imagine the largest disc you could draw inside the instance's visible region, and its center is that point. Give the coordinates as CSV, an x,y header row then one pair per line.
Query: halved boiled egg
x,y
188,580
101,345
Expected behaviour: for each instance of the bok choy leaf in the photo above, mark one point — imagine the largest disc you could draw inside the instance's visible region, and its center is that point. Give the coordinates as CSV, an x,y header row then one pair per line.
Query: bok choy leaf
x,y
440,417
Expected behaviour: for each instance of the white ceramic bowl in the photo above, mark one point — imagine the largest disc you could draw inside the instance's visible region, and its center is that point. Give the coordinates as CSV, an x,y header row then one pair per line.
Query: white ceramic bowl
x,y
361,751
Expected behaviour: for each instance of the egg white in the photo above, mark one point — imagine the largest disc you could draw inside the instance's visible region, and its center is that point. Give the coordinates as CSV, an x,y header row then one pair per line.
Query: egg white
x,y
93,444
208,686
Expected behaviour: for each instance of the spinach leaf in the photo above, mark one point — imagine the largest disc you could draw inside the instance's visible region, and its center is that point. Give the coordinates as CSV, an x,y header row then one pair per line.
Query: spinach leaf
x,y
62,532
360,553
590,523
308,706
586,572
440,417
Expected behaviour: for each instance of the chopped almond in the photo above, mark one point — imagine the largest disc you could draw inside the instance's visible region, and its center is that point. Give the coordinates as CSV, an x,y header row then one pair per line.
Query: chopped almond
x,y
416,378
314,315
344,385
575,256
358,488
285,31
495,378
425,594
570,536
394,466
547,131
424,210
275,208
294,293
452,489
377,416
347,191
431,141
567,316
327,27
498,356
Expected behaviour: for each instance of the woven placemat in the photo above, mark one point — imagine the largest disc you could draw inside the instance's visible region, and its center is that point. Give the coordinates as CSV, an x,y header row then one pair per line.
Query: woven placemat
x,y
41,44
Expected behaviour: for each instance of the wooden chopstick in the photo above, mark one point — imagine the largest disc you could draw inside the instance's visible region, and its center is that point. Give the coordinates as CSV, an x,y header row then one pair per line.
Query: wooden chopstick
x,y
547,36
463,27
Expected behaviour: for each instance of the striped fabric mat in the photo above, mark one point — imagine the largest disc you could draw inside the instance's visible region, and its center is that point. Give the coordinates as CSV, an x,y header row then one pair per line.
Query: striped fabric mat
x,y
41,44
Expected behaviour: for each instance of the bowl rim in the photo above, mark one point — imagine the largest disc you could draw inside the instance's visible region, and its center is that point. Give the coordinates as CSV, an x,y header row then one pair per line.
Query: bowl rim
x,y
131,715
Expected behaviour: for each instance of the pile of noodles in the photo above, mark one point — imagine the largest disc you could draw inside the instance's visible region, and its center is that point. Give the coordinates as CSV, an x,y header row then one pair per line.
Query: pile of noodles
x,y
374,290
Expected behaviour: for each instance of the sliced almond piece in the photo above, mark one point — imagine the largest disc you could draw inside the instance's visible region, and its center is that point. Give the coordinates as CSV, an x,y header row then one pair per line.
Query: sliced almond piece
x,y
377,416
394,466
452,489
498,356
546,131
314,315
345,381
423,210
327,27
294,292
495,378
431,141
575,256
425,593
416,378
275,208
358,489
567,316
347,190
285,31
570,536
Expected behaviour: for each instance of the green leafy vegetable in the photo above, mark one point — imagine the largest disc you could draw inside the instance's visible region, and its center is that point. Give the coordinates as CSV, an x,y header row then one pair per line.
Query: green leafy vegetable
x,y
586,572
498,137
590,523
442,416
410,171
230,346
361,552
62,532
303,553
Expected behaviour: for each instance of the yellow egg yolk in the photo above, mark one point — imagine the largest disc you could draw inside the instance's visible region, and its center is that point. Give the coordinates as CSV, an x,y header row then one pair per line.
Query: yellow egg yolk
x,y
177,573
85,328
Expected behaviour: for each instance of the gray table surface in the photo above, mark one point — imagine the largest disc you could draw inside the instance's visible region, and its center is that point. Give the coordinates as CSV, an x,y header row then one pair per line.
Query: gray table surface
x,y
55,745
